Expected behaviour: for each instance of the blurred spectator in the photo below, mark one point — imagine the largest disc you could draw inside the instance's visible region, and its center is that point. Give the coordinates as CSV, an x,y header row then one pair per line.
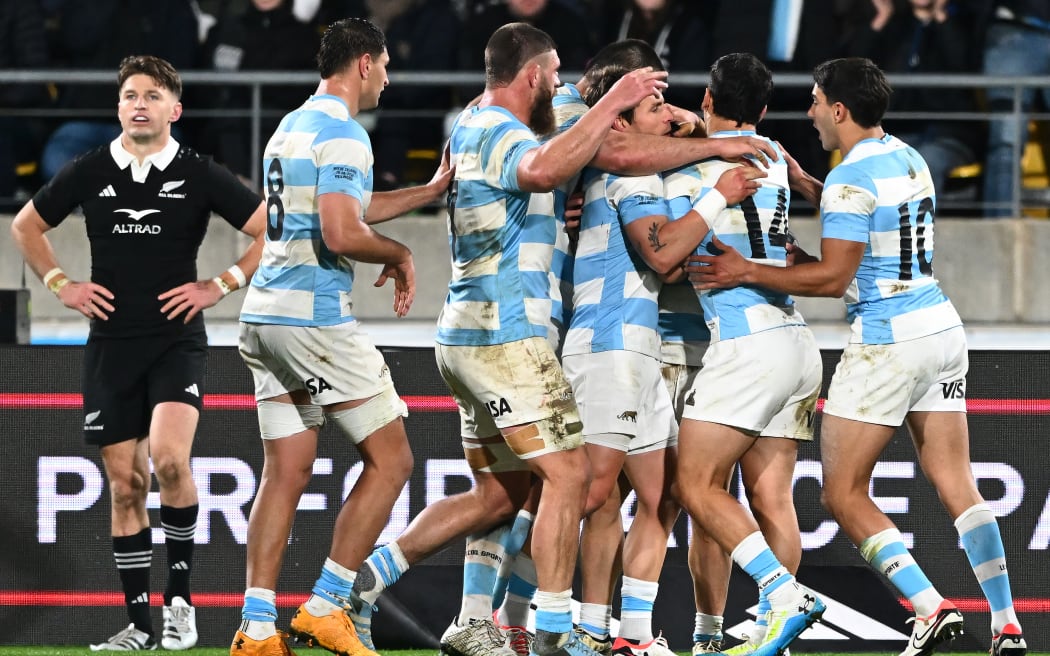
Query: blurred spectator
x,y
791,36
22,45
1017,43
566,25
98,35
927,36
678,30
264,36
332,10
421,35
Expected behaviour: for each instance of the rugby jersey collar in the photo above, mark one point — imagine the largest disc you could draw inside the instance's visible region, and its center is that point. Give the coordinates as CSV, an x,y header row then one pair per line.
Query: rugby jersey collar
x,y
570,89
722,134
161,159
872,146
323,102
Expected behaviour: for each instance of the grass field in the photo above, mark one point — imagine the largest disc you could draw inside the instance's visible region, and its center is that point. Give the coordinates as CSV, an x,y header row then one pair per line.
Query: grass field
x,y
217,651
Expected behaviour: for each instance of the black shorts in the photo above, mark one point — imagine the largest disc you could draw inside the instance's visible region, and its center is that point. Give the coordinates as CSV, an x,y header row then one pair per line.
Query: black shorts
x,y
123,379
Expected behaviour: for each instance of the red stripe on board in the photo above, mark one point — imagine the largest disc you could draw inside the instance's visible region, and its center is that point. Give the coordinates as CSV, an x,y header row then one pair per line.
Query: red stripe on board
x,y
293,599
72,401
436,403
87,598
980,605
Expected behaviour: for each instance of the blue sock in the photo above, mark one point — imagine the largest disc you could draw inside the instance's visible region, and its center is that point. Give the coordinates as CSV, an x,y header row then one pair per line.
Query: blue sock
x,y
481,562
514,611
886,552
707,627
512,543
764,607
553,611
259,605
333,585
379,571
754,556
983,544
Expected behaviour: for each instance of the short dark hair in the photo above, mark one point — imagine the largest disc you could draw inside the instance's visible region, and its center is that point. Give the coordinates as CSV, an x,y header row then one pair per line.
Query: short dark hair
x,y
858,84
346,40
613,62
741,86
629,54
160,70
510,48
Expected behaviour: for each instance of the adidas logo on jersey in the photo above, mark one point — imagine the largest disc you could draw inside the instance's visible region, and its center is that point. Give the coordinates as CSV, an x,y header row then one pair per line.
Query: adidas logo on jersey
x,y
108,192
192,389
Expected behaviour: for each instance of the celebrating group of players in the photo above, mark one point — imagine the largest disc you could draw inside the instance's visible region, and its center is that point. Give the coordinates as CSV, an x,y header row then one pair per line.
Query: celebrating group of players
x,y
619,317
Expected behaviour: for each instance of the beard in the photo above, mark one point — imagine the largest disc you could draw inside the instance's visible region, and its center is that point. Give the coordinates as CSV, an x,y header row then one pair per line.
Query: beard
x,y
541,117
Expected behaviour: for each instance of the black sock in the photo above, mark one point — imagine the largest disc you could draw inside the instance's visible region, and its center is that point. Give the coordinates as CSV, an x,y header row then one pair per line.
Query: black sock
x,y
180,525
133,554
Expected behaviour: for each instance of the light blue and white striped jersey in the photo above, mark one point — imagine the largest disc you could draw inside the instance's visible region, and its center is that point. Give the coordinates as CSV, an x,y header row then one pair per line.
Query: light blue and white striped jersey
x,y
317,149
882,195
614,291
757,227
502,244
683,334
683,331
568,108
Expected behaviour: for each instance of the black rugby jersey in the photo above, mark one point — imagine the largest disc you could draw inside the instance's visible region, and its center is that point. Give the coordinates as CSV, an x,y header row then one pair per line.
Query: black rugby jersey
x,y
144,236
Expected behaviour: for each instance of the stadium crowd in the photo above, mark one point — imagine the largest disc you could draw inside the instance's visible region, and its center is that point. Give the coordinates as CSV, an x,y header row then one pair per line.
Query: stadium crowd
x,y
921,36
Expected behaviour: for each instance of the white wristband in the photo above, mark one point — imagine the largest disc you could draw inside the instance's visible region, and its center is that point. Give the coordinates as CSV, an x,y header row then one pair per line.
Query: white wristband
x,y
51,275
238,275
223,287
710,205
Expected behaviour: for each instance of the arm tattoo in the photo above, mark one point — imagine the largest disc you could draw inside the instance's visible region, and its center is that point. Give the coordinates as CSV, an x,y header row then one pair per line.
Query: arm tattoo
x,y
654,236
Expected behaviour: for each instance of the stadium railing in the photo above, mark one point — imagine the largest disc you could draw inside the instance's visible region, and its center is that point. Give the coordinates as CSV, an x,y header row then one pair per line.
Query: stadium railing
x,y
1021,199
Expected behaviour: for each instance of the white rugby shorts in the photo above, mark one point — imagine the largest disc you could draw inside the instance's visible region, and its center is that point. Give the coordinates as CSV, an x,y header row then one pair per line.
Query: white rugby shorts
x,y
765,384
882,383
502,386
623,400
332,363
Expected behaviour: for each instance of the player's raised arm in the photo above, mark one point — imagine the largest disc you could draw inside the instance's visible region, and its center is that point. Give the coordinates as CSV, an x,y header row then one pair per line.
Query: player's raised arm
x,y
558,159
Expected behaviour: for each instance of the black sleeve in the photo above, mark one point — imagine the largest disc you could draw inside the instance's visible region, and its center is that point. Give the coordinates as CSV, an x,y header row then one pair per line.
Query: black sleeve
x,y
62,194
229,197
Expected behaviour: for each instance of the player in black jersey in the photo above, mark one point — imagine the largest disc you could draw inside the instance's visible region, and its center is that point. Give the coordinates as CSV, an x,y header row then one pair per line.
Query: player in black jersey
x,y
146,201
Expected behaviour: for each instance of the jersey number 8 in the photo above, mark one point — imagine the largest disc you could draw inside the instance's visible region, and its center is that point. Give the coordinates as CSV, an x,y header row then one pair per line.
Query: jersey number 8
x,y
274,205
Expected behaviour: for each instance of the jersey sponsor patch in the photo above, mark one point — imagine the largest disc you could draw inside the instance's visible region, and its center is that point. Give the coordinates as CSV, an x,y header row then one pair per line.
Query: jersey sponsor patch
x,y
136,228
136,215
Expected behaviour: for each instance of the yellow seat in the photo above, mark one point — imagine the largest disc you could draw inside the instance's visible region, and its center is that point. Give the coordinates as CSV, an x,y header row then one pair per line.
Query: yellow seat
x,y
967,171
25,169
1034,173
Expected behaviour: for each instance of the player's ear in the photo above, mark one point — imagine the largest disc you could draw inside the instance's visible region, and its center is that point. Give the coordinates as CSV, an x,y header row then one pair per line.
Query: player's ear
x,y
535,71
176,112
364,65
